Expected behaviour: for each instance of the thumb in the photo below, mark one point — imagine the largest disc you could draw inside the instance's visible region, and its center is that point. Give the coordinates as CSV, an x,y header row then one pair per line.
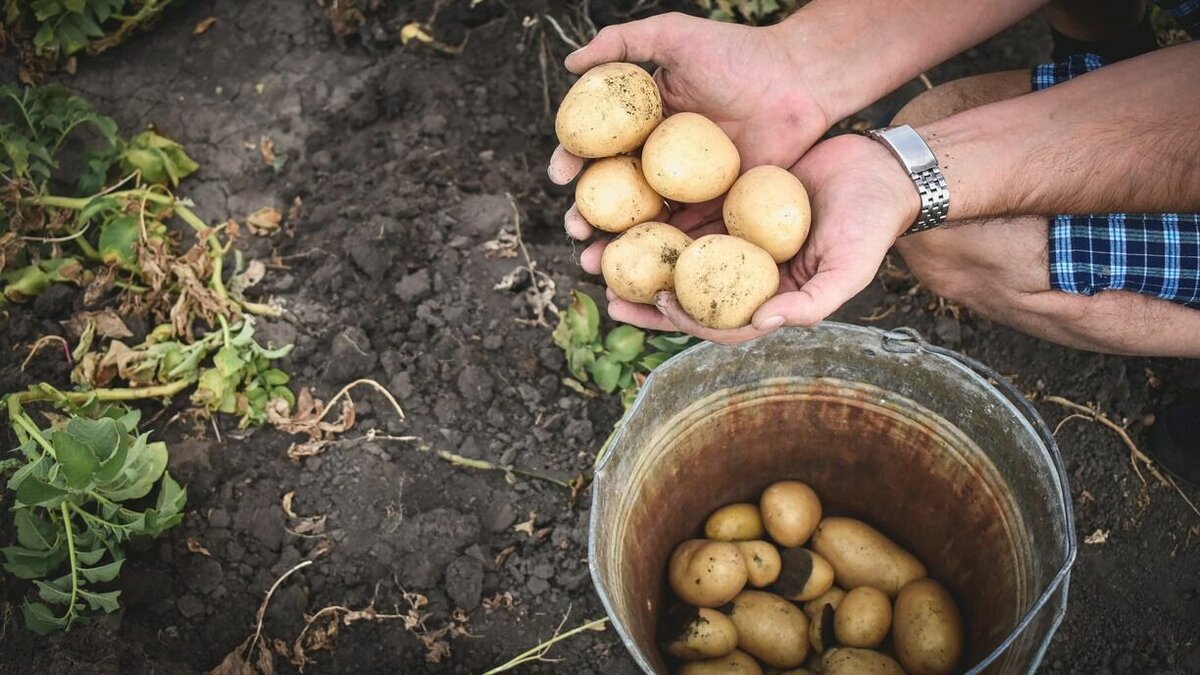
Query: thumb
x,y
819,297
646,40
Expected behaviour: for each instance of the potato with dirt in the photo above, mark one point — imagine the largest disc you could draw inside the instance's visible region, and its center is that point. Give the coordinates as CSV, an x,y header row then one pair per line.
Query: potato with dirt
x,y
770,628
689,159
928,630
768,206
612,194
641,262
762,562
734,663
832,597
721,280
863,556
734,522
820,630
695,634
609,111
706,573
863,618
791,512
852,661
803,575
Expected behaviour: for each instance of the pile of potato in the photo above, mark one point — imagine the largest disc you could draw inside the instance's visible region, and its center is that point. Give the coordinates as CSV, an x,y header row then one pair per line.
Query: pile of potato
x,y
851,603
608,115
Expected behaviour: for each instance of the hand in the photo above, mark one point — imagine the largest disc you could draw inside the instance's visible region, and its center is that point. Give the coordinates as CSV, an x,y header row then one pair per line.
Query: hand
x,y
748,80
862,200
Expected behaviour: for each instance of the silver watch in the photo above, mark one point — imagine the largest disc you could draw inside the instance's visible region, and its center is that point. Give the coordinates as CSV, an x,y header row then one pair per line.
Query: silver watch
x,y
918,160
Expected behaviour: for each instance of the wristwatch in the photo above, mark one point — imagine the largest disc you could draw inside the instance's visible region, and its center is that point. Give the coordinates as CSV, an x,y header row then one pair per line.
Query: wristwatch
x,y
918,160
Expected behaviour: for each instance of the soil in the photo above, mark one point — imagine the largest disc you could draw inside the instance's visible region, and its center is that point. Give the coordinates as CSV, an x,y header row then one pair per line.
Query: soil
x,y
400,163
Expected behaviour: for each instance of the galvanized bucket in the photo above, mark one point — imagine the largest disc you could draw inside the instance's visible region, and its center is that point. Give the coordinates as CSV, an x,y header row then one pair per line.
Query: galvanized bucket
x,y
931,447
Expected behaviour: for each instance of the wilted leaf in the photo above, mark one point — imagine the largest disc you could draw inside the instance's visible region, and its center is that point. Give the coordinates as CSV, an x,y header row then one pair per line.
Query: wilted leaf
x,y
106,322
264,221
194,546
624,343
203,25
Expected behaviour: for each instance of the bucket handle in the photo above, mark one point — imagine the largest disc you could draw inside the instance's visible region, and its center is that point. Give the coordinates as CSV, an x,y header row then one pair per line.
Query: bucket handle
x,y
905,340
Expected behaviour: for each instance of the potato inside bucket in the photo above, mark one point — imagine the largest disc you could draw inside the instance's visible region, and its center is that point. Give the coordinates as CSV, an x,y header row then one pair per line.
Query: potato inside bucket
x,y
869,452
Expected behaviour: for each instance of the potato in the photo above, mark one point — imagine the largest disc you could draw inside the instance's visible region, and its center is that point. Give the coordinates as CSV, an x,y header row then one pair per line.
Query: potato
x,y
641,262
790,512
721,280
706,573
609,111
850,661
832,597
733,663
768,206
689,159
734,522
863,556
820,630
693,634
928,630
770,629
613,195
762,562
863,618
803,575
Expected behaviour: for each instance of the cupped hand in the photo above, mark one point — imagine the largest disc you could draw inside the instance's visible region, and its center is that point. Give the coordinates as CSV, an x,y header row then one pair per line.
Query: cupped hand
x,y
862,200
746,79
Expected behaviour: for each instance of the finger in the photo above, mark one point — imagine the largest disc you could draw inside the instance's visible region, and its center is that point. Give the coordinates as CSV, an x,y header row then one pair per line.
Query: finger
x,y
711,228
589,260
660,78
576,225
690,216
669,305
564,166
644,316
819,297
648,40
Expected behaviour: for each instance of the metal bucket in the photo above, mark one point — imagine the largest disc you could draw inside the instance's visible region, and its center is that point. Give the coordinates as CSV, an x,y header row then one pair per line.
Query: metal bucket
x,y
931,447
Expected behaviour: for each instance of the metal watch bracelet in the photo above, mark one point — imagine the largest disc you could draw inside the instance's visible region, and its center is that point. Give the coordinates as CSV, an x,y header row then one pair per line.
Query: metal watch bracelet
x,y
922,166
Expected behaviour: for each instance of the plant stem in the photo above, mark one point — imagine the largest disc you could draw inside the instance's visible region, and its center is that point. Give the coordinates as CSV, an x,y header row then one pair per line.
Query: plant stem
x,y
66,516
22,420
224,329
539,651
132,394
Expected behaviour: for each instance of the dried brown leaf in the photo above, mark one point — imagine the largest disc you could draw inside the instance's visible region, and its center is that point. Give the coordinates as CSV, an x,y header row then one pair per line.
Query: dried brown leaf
x,y
527,526
310,525
264,221
108,324
287,503
266,148
203,25
194,546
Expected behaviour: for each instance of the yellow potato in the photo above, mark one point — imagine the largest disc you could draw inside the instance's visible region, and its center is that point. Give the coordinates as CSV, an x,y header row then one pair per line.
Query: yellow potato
x,y
693,634
803,575
721,281
864,617
641,262
689,159
820,630
762,562
790,512
832,597
928,631
734,522
734,663
613,195
863,556
706,573
851,661
611,110
770,629
768,206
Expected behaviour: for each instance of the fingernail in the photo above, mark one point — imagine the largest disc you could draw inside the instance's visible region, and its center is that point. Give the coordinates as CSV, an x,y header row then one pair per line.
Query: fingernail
x,y
771,323
660,299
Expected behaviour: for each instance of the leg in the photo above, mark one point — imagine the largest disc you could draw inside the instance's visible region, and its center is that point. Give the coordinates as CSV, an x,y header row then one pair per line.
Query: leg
x,y
1000,269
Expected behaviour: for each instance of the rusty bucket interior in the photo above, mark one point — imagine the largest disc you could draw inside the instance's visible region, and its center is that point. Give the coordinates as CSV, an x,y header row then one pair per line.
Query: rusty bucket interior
x,y
924,444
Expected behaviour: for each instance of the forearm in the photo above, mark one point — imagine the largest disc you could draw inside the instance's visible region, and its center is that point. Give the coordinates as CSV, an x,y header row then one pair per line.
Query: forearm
x,y
1123,138
857,51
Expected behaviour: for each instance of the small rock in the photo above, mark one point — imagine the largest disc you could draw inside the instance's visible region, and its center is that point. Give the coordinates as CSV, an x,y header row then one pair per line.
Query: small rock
x,y
502,518
350,356
190,606
218,518
401,386
544,570
948,330
266,528
204,576
464,582
475,384
537,585
415,287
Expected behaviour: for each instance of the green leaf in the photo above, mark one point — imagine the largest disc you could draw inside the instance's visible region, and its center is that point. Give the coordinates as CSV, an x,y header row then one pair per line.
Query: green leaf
x,y
103,573
29,564
118,240
228,362
580,360
41,620
78,462
34,532
36,492
624,343
285,394
654,360
89,556
51,594
101,601
275,377
144,472
672,344
586,320
606,372
25,283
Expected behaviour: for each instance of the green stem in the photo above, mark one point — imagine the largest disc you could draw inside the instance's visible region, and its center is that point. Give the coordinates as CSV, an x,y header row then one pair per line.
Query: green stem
x,y
87,249
22,420
66,516
94,518
224,330
540,650
78,397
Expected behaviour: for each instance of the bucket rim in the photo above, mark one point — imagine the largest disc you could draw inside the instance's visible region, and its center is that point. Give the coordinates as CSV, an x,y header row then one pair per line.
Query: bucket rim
x,y
903,340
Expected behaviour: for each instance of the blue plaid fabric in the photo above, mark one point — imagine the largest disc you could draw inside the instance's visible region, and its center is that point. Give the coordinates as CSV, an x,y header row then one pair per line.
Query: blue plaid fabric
x,y
1152,254
1186,13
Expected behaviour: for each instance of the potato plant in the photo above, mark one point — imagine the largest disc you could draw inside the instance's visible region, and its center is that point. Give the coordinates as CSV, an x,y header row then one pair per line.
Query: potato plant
x,y
55,29
749,11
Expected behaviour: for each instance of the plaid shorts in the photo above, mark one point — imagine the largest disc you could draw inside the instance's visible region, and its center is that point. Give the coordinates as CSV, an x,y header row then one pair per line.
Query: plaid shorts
x,y
1153,254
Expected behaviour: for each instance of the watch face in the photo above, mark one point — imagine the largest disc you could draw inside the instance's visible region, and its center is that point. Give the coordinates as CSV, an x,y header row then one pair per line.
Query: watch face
x,y
910,148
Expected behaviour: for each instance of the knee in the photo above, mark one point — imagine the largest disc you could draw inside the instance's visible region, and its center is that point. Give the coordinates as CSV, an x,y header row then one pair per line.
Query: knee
x,y
956,96
936,261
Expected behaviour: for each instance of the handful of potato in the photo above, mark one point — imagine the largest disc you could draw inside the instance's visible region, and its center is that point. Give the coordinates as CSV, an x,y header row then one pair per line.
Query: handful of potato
x,y
778,587
721,280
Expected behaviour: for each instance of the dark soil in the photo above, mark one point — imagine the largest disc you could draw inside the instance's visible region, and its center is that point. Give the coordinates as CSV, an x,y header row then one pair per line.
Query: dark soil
x,y
400,163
